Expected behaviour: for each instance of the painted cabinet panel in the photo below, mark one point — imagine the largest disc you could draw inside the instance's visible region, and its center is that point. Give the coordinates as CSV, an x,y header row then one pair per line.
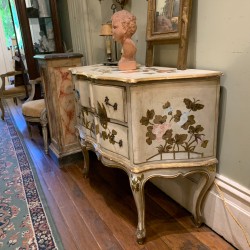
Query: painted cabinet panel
x,y
174,120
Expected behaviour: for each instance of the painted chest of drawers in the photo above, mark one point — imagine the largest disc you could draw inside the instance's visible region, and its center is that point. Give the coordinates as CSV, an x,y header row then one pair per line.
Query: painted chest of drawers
x,y
150,122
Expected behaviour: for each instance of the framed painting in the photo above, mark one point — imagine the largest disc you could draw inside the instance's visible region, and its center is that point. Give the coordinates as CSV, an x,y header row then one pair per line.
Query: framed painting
x,y
168,22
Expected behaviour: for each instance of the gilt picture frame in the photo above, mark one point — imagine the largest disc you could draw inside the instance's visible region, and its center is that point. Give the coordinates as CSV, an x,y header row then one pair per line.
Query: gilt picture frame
x,y
168,23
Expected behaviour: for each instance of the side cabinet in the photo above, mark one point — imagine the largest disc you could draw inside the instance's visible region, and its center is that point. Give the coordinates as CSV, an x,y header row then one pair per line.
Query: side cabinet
x,y
59,100
151,122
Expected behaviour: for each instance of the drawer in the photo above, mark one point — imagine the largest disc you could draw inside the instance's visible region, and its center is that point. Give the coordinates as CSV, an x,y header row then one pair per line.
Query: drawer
x,y
112,100
113,137
82,87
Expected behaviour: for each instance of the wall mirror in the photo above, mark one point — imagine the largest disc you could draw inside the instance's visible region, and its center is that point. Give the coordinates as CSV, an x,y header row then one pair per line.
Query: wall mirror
x,y
168,23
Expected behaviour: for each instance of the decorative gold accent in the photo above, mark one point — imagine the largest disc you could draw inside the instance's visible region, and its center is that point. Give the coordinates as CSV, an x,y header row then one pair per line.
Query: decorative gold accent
x,y
135,182
107,134
212,168
107,103
84,122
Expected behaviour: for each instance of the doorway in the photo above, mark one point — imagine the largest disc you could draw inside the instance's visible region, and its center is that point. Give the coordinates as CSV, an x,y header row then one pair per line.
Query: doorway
x,y
11,42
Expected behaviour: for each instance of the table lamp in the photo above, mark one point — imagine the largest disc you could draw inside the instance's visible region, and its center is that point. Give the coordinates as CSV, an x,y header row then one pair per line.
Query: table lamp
x,y
106,31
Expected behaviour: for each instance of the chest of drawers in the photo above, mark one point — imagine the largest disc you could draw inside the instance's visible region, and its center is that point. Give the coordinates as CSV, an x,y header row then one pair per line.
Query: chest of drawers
x,y
150,122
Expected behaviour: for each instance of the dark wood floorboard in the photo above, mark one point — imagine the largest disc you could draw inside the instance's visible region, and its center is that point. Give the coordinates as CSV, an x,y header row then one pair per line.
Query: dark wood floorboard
x,y
100,213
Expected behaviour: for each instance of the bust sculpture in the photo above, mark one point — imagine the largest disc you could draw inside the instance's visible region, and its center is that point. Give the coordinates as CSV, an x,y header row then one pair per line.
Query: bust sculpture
x,y
123,28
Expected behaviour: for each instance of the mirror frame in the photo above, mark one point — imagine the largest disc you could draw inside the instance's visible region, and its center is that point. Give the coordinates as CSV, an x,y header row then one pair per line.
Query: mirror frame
x,y
177,37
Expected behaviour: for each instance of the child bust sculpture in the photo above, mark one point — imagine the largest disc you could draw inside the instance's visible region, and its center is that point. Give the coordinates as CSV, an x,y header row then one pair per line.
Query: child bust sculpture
x,y
123,28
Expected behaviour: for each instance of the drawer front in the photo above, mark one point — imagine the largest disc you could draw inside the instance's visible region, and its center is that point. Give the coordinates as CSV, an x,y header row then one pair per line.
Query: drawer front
x,y
113,137
82,88
110,99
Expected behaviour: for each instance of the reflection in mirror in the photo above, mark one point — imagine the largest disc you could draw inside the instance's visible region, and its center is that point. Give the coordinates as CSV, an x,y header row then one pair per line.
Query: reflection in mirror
x,y
166,16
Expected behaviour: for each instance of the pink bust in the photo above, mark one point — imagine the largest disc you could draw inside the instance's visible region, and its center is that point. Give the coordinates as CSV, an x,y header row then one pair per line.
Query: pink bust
x,y
123,28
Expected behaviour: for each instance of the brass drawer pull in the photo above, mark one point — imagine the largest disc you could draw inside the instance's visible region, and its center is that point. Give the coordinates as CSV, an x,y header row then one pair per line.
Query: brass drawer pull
x,y
113,141
107,103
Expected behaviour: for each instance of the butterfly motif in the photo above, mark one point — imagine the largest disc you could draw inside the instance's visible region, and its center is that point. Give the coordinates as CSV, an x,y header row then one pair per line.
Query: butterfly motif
x,y
194,106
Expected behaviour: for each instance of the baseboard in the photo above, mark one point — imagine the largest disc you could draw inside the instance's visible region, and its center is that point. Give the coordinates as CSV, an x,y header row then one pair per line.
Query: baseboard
x,y
216,217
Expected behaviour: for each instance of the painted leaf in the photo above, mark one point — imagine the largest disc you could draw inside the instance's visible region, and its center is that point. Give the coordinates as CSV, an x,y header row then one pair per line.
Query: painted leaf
x,y
151,135
104,135
102,113
150,128
166,105
150,114
160,119
97,129
168,134
114,132
87,124
180,138
144,121
177,116
170,141
149,141
204,144
112,139
195,130
189,122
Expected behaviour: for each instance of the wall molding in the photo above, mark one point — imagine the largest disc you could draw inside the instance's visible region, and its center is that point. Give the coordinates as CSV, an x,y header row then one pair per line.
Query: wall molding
x,y
216,217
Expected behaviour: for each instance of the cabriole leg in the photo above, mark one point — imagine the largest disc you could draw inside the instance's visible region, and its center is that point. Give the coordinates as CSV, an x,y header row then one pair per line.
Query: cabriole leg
x,y
86,161
137,187
206,180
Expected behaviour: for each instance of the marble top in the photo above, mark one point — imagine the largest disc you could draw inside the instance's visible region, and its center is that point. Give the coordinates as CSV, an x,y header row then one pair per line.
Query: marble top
x,y
141,74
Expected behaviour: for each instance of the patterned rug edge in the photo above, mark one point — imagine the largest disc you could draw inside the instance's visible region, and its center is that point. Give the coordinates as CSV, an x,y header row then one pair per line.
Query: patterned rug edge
x,y
41,195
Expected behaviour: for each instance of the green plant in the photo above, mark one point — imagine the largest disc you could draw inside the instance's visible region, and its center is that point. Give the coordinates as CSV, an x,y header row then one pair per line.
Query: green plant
x,y
5,15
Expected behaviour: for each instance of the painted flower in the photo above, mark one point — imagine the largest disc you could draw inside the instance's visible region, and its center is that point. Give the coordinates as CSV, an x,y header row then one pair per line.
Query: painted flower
x,y
160,129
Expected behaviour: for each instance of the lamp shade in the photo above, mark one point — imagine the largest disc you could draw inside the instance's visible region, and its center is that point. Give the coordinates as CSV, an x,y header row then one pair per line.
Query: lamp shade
x,y
106,29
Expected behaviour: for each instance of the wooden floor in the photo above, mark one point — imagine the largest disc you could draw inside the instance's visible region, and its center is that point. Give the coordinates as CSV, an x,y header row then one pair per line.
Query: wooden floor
x,y
99,212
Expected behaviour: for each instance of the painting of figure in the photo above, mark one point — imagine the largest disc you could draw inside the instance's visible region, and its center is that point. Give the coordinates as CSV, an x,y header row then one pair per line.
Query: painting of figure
x,y
167,16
